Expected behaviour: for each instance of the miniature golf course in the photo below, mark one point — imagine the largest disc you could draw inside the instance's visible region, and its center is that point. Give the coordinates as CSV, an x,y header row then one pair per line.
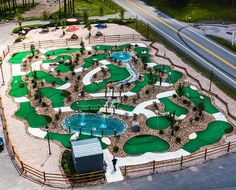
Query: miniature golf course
x,y
41,75
158,123
195,97
18,87
145,143
88,105
211,135
62,51
117,74
27,112
172,107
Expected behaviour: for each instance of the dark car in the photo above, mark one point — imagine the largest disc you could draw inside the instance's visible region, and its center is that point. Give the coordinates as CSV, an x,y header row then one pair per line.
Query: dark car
x,y
1,144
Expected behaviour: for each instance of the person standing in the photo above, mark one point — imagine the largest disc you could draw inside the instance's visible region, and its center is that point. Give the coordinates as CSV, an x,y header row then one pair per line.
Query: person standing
x,y
114,161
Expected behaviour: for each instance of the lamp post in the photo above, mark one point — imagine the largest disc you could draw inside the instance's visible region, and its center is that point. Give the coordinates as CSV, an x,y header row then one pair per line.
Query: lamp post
x,y
49,146
3,81
211,80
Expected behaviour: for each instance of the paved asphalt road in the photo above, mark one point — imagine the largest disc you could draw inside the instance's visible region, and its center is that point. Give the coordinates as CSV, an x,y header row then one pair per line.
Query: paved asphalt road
x,y
210,55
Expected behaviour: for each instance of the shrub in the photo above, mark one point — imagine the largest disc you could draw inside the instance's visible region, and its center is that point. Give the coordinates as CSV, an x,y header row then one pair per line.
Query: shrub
x,y
194,108
174,96
185,101
67,163
44,104
176,128
73,73
21,85
172,132
147,92
196,118
229,130
115,148
66,78
178,140
161,132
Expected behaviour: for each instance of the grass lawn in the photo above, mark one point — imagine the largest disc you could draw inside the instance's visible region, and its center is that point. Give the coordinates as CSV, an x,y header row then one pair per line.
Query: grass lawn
x,y
201,10
223,43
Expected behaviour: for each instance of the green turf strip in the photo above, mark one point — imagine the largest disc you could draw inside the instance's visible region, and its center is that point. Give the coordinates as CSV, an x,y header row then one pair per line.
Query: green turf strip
x,y
211,135
194,96
58,59
18,87
57,96
64,139
41,75
88,105
124,107
143,53
63,68
145,143
62,51
158,123
175,75
114,48
28,113
171,107
17,58
117,74
90,60
140,84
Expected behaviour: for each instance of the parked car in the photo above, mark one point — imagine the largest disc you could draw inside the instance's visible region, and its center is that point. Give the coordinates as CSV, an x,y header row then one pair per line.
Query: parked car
x,y
1,144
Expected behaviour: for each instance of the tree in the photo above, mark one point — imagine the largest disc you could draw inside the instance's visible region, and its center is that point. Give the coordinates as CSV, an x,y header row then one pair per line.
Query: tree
x,y
32,49
122,14
18,19
180,90
56,19
101,10
45,14
89,27
85,17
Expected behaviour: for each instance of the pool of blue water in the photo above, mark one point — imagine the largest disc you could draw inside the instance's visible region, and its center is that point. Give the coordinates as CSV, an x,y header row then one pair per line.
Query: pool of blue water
x,y
98,125
122,56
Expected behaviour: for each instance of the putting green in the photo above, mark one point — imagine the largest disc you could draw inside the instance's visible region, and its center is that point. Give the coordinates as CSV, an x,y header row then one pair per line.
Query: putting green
x,y
18,87
62,51
145,143
63,68
92,59
58,59
175,75
124,107
114,48
41,75
55,95
88,105
211,135
17,58
143,53
64,139
117,74
140,84
158,123
195,97
172,107
28,113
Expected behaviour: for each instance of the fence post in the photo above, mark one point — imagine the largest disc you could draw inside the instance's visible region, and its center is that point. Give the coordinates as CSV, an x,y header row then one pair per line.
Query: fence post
x,y
22,166
8,47
66,42
44,177
104,39
106,109
181,161
118,37
228,148
39,44
24,45
205,154
125,171
133,37
153,166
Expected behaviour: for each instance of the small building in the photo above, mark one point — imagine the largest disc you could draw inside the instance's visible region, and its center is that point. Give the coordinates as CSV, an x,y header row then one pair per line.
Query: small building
x,y
87,155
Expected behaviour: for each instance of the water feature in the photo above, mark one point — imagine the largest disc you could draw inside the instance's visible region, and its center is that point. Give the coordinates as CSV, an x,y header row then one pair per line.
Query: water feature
x,y
98,125
122,56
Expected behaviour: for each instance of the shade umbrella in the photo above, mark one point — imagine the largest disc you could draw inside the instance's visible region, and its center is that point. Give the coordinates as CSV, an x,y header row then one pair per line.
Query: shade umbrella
x,y
71,20
100,26
73,28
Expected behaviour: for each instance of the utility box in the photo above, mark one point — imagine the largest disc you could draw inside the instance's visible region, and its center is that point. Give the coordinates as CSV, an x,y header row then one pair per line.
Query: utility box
x,y
87,155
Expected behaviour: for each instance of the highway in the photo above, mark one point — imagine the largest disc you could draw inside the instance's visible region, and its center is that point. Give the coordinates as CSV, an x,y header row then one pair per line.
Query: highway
x,y
208,54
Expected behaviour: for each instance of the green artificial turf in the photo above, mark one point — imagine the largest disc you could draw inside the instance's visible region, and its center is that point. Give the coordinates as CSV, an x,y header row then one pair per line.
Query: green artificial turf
x,y
88,105
212,134
89,61
27,112
158,123
18,87
175,75
57,96
117,74
62,51
17,58
64,139
194,96
124,107
41,75
58,59
114,48
171,107
145,143
143,53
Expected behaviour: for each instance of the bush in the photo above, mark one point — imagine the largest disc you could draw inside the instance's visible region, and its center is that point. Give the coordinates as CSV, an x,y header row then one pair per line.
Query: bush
x,y
194,108
176,128
44,104
115,148
178,140
229,130
196,118
147,92
21,85
73,73
161,132
67,163
174,96
185,101
66,78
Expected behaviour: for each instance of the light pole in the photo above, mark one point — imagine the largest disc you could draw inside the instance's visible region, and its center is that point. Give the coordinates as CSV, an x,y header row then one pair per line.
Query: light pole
x,y
3,81
211,80
49,146
233,37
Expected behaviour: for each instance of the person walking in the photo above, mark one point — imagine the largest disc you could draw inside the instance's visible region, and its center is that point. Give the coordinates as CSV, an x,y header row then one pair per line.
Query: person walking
x,y
114,161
